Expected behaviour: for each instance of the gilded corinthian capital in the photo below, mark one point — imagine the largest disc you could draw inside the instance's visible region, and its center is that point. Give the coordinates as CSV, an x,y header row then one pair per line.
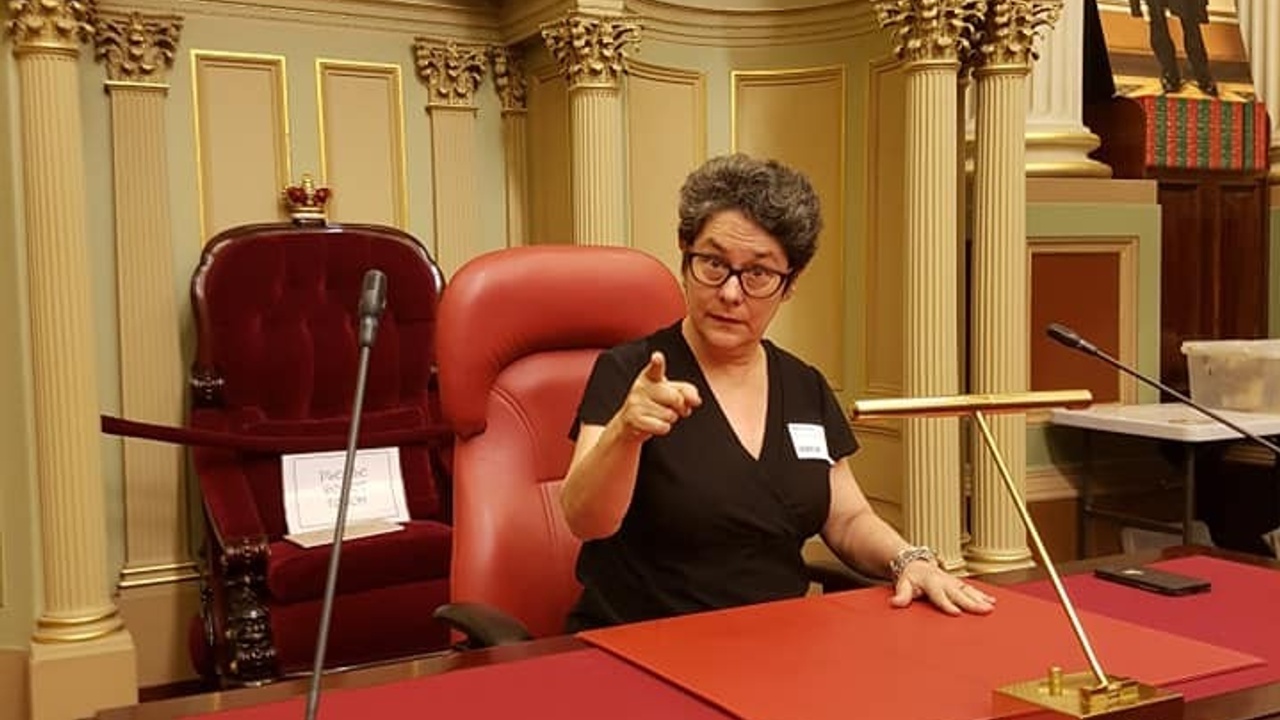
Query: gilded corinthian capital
x,y
591,50
925,30
137,47
509,79
50,23
1012,28
451,72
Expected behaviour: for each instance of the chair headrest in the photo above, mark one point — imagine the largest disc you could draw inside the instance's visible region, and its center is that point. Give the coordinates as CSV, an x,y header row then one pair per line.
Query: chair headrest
x,y
512,303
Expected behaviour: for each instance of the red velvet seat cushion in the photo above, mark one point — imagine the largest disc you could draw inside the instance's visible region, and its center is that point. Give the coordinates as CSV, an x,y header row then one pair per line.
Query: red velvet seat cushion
x,y
257,476
419,552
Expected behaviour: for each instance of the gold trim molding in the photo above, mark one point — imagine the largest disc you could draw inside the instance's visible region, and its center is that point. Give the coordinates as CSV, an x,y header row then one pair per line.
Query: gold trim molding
x,y
283,161
77,629
591,50
164,574
391,73
136,48
451,71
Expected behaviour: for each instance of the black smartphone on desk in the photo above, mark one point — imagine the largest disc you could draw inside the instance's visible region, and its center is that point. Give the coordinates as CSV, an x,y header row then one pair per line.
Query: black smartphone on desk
x,y
1152,580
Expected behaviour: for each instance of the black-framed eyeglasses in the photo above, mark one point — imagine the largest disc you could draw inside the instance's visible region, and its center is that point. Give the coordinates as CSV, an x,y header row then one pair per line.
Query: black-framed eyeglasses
x,y
756,281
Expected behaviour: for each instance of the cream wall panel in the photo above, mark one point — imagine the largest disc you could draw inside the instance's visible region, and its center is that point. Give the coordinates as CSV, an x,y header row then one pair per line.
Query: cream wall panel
x,y
877,297
667,138
18,539
881,295
362,141
242,135
550,205
798,116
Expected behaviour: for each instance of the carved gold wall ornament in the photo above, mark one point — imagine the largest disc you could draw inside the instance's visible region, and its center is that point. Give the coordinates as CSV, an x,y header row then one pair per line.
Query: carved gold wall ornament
x,y
451,72
1012,27
136,47
56,23
926,30
509,79
591,50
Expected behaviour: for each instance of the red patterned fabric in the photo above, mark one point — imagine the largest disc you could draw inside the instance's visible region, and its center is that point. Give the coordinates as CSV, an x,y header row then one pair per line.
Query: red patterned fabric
x,y
1205,133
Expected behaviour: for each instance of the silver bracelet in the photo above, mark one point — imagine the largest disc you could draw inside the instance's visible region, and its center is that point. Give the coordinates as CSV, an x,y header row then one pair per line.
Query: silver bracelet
x,y
908,555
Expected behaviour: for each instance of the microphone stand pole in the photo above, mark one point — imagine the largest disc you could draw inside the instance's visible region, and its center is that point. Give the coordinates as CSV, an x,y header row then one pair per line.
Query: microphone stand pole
x,y
348,467
370,308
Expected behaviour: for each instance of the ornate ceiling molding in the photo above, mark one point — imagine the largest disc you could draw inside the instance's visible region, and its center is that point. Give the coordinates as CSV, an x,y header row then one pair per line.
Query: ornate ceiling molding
x,y
466,20
797,24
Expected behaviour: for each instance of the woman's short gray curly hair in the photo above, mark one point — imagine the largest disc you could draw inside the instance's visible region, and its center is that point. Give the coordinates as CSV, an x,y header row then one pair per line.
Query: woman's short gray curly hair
x,y
777,198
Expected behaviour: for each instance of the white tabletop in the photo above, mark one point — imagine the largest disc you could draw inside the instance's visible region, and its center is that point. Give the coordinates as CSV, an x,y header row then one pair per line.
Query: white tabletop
x,y
1166,421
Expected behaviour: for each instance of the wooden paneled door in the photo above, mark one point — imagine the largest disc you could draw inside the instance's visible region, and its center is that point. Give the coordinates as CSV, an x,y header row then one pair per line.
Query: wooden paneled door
x,y
1213,280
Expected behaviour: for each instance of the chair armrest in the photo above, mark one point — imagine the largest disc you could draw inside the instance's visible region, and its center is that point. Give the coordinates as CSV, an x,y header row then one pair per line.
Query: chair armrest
x,y
835,576
829,571
483,625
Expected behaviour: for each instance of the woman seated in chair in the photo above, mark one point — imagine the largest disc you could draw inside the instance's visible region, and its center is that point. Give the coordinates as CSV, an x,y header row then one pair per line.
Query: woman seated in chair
x,y
706,455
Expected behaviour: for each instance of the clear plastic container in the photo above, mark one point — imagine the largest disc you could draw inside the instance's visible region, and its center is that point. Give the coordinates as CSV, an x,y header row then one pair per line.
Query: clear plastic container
x,y
1235,374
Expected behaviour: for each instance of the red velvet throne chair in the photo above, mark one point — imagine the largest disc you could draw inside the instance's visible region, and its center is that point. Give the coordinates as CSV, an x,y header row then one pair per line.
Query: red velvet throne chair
x,y
276,357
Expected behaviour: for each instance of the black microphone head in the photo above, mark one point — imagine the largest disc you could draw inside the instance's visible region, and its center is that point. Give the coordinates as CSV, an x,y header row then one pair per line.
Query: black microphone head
x,y
1070,338
373,298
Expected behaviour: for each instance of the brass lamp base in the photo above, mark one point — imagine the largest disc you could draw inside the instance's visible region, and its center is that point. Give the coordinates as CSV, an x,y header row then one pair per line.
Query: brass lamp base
x,y
1078,695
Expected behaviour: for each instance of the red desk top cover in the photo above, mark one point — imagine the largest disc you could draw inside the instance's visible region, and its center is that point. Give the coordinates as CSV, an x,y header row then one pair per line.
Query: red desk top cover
x,y
1241,611
578,685
788,660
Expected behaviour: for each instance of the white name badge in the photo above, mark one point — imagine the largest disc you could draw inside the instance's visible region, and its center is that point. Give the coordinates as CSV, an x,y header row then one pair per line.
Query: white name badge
x,y
313,486
810,441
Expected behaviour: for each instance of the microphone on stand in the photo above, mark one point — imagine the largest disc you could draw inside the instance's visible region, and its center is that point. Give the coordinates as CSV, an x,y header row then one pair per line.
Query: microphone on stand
x,y
1072,339
373,298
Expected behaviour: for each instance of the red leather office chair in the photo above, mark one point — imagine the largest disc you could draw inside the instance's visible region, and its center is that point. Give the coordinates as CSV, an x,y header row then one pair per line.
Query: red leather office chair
x,y
275,363
519,331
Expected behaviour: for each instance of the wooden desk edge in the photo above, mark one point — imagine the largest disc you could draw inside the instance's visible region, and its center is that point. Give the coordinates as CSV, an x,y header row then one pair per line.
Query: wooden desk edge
x,y
1257,702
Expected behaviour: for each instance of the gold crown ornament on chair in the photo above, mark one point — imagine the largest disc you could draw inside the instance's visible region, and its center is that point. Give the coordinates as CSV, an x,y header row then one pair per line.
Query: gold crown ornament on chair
x,y
306,202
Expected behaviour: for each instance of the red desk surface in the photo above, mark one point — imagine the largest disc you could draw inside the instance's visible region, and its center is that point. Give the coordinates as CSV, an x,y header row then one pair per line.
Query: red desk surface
x,y
849,654
795,659
1241,611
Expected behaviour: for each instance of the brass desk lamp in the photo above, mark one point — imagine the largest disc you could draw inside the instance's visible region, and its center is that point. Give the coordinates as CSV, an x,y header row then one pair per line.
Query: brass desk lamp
x,y
1092,694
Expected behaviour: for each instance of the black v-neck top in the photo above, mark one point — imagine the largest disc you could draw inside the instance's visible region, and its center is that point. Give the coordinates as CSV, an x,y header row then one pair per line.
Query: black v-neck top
x,y
709,526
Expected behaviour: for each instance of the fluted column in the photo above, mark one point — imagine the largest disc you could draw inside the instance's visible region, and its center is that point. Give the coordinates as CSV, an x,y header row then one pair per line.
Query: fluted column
x,y
78,625
137,51
930,41
510,82
452,73
999,341
1058,142
1260,23
591,51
